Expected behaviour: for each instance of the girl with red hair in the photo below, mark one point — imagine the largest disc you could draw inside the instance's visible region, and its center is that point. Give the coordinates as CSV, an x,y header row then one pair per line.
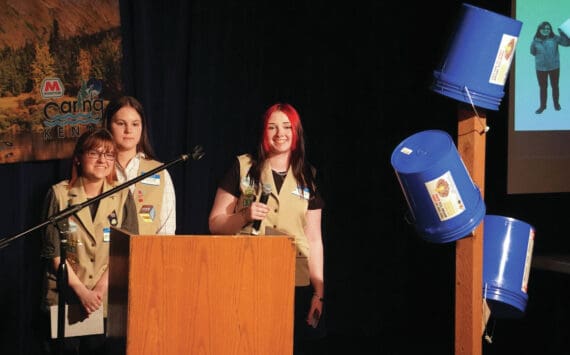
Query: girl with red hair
x,y
292,205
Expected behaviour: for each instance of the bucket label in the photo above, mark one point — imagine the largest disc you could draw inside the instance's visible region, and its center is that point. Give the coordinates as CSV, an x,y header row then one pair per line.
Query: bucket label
x,y
527,263
503,60
445,196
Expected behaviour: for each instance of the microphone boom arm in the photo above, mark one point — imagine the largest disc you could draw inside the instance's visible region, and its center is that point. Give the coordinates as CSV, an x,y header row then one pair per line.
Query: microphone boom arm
x,y
197,154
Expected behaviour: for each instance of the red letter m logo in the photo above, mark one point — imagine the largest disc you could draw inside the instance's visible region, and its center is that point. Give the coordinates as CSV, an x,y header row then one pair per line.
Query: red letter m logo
x,y
52,87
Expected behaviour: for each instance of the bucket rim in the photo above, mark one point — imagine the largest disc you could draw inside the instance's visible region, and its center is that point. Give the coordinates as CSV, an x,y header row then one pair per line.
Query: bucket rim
x,y
465,229
515,299
455,93
507,218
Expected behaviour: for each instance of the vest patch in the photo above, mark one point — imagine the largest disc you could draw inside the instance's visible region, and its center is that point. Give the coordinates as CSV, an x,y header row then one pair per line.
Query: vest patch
x,y
113,219
248,192
147,213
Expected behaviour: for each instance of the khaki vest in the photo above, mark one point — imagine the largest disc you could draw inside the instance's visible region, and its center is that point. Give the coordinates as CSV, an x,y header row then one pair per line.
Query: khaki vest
x,y
287,212
88,239
148,195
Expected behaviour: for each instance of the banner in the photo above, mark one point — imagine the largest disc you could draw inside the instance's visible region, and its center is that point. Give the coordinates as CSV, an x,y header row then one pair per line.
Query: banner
x,y
59,59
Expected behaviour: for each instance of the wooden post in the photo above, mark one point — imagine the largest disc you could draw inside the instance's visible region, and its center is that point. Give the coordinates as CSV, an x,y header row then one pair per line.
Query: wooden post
x,y
469,250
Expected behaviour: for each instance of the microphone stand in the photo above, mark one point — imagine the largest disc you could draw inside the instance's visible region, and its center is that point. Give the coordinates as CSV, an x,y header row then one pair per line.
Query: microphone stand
x,y
61,223
62,281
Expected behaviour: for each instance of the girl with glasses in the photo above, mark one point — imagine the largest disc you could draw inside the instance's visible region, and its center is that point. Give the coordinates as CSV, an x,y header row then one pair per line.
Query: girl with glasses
x,y
88,234
544,48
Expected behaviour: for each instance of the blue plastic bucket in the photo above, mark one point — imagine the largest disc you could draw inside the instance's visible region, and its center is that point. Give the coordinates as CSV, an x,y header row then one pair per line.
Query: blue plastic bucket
x,y
478,59
507,257
444,203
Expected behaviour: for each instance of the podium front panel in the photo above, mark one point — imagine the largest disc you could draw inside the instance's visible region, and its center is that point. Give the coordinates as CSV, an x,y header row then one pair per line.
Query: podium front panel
x,y
190,294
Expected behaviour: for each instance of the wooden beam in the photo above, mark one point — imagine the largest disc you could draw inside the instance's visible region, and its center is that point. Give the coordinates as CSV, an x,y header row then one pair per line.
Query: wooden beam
x,y
469,250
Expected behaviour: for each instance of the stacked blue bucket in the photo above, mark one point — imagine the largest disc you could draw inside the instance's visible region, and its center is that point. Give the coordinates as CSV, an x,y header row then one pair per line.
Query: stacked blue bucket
x,y
507,257
478,59
444,203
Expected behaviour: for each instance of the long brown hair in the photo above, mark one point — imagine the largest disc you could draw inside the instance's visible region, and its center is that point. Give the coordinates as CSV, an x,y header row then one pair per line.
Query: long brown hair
x,y
538,34
128,101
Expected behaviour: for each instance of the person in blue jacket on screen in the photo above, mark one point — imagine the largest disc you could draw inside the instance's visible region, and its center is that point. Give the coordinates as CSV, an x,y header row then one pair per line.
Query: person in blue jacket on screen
x,y
544,48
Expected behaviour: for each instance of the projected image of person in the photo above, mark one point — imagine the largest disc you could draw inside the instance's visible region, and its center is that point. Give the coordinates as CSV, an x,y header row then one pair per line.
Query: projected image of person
x,y
544,48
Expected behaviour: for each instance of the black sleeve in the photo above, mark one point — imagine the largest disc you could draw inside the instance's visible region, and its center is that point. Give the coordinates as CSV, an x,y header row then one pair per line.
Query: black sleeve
x,y
316,203
230,181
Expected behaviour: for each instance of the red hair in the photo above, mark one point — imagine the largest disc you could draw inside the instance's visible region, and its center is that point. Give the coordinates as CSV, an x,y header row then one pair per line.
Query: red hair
x,y
301,170
293,117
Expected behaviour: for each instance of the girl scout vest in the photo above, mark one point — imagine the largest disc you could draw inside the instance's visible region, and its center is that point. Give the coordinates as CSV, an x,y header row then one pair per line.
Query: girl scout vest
x,y
148,195
88,239
287,211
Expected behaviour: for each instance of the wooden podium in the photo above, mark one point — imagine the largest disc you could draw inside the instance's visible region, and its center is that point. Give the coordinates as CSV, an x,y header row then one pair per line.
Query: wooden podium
x,y
202,294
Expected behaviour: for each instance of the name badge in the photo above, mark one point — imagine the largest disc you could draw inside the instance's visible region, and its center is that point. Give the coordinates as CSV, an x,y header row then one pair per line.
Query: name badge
x,y
303,193
106,234
153,180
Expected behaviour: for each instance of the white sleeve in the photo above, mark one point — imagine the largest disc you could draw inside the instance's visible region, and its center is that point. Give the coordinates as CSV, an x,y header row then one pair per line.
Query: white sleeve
x,y
168,210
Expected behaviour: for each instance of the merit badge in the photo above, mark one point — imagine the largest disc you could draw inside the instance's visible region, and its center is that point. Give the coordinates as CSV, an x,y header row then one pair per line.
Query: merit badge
x,y
147,213
249,196
113,219
248,191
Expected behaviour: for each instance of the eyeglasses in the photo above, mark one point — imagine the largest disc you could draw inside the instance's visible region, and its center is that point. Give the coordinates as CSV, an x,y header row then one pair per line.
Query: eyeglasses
x,y
93,154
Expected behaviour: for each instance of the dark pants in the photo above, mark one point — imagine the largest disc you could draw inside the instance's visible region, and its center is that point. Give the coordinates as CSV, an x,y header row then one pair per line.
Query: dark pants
x,y
85,345
543,77
305,340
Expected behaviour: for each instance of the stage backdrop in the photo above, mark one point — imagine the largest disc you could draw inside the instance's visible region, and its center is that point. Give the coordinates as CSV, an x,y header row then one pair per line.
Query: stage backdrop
x,y
59,60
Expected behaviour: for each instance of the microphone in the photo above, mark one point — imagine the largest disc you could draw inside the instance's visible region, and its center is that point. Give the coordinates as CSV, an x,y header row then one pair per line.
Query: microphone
x,y
265,192
197,154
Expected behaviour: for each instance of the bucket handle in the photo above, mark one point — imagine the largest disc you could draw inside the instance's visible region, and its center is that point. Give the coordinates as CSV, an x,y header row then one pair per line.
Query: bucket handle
x,y
485,128
486,335
409,217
